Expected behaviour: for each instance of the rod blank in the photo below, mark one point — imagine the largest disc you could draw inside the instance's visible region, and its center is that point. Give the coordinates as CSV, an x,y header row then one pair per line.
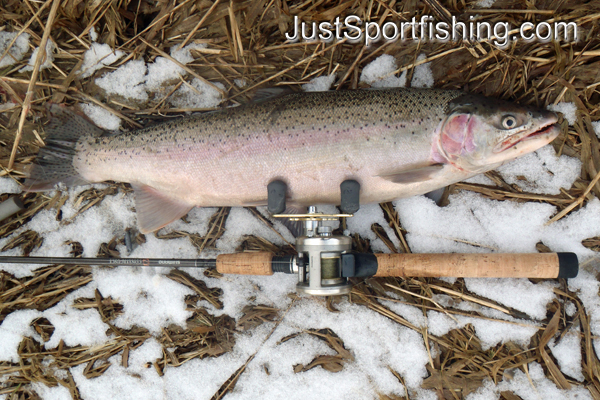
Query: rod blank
x,y
136,262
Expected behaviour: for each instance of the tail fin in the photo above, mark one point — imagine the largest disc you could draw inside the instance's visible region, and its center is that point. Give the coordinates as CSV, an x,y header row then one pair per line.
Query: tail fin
x,y
54,162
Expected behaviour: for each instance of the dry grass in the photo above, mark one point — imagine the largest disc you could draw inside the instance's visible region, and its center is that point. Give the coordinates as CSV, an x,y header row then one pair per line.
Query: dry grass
x,y
245,39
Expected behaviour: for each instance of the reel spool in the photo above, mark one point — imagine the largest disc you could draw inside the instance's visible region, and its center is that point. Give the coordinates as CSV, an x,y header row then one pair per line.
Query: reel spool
x,y
319,260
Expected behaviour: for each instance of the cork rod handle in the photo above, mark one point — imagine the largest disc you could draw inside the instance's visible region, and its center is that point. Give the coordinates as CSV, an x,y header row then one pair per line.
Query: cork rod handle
x,y
245,263
492,265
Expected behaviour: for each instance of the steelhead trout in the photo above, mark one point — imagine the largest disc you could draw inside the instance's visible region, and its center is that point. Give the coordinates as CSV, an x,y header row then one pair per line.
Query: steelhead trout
x,y
395,142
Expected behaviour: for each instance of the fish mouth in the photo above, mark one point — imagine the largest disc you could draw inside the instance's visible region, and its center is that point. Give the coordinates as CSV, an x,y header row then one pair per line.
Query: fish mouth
x,y
547,131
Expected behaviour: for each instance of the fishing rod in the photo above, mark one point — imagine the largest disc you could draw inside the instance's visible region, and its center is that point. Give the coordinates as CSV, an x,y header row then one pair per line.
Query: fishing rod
x,y
324,261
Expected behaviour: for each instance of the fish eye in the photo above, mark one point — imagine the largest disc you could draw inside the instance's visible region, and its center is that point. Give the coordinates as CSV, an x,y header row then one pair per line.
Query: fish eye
x,y
509,122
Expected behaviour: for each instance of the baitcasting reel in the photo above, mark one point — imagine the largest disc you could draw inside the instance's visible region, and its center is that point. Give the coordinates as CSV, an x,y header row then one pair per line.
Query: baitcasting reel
x,y
319,262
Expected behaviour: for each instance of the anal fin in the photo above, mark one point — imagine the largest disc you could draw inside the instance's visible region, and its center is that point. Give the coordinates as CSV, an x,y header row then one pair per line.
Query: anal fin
x,y
155,210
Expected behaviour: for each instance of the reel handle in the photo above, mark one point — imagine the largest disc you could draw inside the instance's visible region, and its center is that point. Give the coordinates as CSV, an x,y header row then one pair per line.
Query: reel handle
x,y
488,265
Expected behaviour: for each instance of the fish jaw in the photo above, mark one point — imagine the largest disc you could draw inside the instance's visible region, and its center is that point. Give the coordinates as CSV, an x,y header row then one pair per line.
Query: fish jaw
x,y
547,131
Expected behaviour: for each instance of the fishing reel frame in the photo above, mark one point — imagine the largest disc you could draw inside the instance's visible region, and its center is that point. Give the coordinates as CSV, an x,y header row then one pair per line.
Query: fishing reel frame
x,y
321,266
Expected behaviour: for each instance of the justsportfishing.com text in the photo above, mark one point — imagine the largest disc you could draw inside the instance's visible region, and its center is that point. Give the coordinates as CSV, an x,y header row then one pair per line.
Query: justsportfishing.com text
x,y
354,29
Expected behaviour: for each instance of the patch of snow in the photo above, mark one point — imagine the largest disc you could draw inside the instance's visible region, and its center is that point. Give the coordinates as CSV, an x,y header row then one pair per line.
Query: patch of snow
x,y
519,294
320,84
199,95
9,185
46,62
136,80
587,288
58,392
485,3
568,110
93,34
128,81
596,125
18,49
101,117
412,314
542,388
361,223
570,308
163,70
13,329
568,353
542,171
379,73
422,75
66,321
474,224
98,56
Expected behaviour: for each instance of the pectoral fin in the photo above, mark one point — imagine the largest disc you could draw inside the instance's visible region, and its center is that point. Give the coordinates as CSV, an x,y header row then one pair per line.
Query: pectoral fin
x,y
414,175
155,210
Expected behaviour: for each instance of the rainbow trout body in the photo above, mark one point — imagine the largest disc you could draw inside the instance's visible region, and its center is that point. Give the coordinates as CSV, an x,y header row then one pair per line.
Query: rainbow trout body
x,y
395,142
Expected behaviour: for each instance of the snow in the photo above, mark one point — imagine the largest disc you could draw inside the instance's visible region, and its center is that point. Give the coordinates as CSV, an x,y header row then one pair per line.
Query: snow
x,y
150,299
422,75
139,81
152,291
379,73
56,393
18,49
596,125
163,70
8,105
9,185
128,80
532,385
485,3
570,308
101,117
391,346
587,288
361,223
98,56
542,171
93,34
67,328
526,296
569,111
320,84
46,62
15,326
568,353
197,94
542,388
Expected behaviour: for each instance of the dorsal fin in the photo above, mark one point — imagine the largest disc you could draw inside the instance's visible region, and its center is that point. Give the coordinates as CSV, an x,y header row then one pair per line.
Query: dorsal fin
x,y
270,93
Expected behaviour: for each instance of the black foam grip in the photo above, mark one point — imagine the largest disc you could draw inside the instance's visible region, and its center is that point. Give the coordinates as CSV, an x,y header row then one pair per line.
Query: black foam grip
x,y
568,265
350,196
276,197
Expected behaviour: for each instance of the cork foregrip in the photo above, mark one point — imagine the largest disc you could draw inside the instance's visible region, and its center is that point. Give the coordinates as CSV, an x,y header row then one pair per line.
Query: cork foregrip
x,y
543,265
245,263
